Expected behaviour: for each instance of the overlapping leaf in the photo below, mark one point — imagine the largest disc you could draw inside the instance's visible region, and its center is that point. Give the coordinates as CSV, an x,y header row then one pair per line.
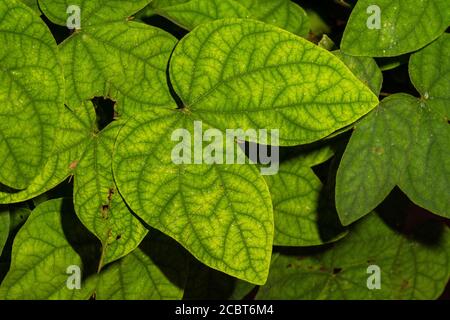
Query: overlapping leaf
x,y
31,94
51,240
429,70
375,157
195,12
281,13
33,4
365,68
221,213
404,27
404,142
245,74
300,216
410,268
113,57
94,12
157,270
191,13
98,203
73,133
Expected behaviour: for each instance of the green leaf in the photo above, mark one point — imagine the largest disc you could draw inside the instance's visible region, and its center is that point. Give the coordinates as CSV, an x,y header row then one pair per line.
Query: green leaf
x,y
263,77
31,94
190,13
74,131
375,157
365,68
195,12
157,270
33,4
51,240
404,142
4,226
222,214
426,179
281,13
98,203
410,267
404,27
318,25
12,217
299,215
112,57
93,12
429,70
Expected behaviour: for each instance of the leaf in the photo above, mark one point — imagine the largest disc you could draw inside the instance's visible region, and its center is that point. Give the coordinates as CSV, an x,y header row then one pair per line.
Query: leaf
x,y
375,157
148,273
410,268
318,25
404,142
222,214
98,203
426,179
195,12
12,217
31,94
51,240
365,69
299,215
263,77
429,70
74,132
404,27
191,13
4,226
113,57
281,13
33,4
94,12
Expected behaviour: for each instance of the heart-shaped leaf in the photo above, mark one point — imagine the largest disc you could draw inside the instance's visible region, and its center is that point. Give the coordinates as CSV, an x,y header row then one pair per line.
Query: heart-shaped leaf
x,y
51,241
31,94
386,28
405,142
407,268
98,203
299,214
221,213
246,74
73,133
112,57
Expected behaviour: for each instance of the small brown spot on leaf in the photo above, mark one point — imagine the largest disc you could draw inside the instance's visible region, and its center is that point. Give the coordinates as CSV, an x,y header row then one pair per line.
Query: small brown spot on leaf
x,y
405,285
73,165
111,192
105,209
378,150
